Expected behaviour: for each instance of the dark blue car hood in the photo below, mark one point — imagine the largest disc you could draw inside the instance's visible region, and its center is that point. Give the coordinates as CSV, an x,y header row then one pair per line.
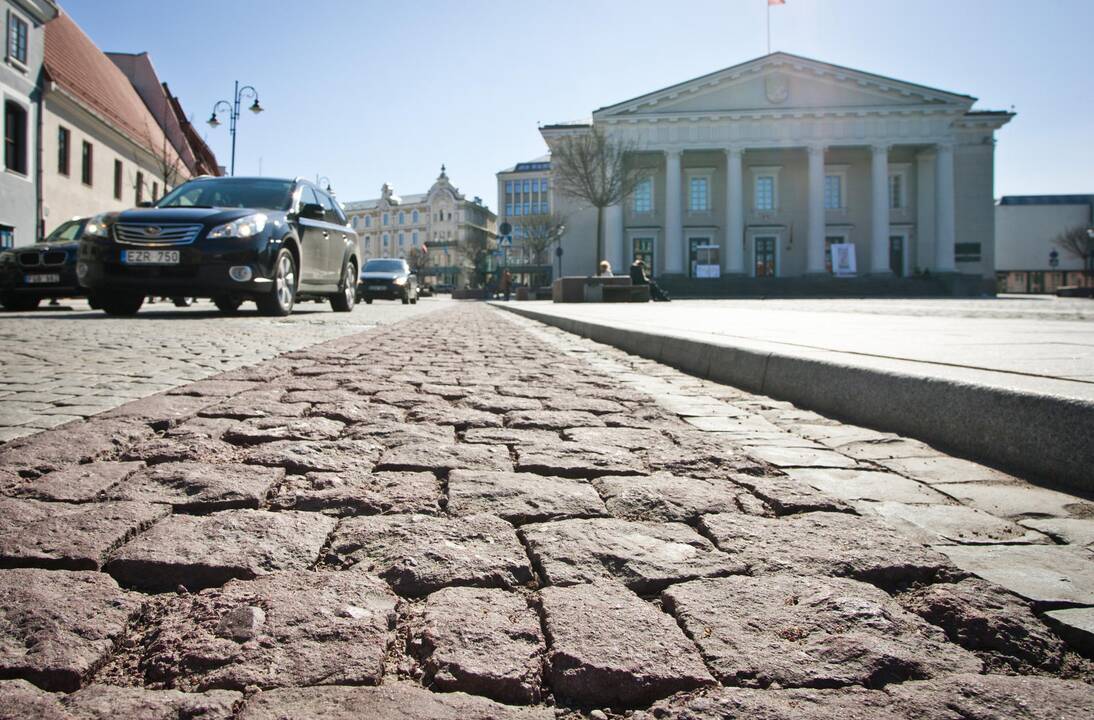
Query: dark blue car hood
x,y
208,216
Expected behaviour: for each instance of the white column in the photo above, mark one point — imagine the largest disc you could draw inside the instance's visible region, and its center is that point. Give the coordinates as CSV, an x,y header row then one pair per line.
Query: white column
x,y
879,216
613,238
735,214
674,223
944,209
815,255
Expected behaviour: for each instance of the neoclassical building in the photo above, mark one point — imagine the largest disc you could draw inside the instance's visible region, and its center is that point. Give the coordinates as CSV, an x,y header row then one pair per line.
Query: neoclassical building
x,y
760,169
440,220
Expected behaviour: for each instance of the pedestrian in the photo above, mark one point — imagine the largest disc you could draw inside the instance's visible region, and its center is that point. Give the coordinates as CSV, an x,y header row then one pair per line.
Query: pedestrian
x,y
605,269
639,277
506,284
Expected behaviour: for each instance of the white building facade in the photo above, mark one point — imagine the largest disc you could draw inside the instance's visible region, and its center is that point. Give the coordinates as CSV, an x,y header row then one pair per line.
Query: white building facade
x,y
20,95
442,221
524,193
1028,256
756,171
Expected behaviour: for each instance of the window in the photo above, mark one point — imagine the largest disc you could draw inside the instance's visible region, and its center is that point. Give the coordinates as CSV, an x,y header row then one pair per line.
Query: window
x,y
402,218
117,179
527,186
86,160
368,221
140,187
15,137
535,185
896,191
414,217
414,238
385,220
833,192
64,138
402,240
967,252
643,196
7,236
765,192
17,38
387,241
699,194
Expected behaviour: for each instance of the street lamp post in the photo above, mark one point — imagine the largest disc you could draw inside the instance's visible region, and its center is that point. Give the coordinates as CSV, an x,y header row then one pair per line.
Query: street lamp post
x,y
233,113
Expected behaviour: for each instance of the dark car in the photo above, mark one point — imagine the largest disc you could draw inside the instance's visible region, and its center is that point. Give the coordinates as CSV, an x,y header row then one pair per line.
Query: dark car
x,y
388,279
231,239
46,269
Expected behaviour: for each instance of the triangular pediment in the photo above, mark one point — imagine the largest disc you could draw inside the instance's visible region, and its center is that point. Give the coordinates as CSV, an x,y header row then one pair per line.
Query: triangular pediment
x,y
784,83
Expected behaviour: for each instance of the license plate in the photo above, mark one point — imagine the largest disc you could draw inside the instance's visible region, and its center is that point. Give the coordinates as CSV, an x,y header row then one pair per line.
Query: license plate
x,y
150,257
42,279
381,288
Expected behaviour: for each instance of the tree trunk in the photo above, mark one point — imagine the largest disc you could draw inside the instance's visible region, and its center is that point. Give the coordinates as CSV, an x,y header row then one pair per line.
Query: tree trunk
x,y
599,240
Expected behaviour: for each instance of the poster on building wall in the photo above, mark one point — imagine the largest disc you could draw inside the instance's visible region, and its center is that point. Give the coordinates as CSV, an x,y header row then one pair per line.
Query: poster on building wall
x,y
843,260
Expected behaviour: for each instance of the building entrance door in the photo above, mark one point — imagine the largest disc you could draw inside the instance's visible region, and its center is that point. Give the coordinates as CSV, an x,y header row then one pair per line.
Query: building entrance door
x,y
642,249
765,255
896,254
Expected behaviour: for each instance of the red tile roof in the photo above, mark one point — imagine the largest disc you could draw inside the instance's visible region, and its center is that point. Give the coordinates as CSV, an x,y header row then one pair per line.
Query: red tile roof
x,y
74,62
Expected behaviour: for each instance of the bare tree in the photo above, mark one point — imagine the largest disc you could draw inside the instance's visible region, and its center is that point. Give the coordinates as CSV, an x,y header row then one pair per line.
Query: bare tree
x,y
537,234
1079,241
418,260
595,169
167,163
475,248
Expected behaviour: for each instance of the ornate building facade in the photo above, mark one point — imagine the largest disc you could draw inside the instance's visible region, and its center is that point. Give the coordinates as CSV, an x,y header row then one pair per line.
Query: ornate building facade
x,y
758,170
441,221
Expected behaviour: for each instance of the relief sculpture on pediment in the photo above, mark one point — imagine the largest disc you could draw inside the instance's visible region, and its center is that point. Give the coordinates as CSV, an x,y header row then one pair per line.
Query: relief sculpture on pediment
x,y
777,87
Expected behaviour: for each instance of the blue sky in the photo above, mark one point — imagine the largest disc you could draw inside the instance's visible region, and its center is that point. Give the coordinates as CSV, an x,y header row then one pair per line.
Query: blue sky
x,y
364,92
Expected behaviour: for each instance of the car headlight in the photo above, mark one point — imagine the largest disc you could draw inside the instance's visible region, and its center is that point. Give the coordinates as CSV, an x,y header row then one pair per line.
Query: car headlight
x,y
98,226
399,281
7,257
244,227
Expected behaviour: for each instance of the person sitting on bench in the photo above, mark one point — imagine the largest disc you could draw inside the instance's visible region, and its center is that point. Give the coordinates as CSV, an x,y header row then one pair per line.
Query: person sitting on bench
x,y
639,277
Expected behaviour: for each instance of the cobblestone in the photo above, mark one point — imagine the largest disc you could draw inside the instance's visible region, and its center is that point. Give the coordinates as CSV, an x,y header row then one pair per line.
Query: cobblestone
x,y
175,346
492,519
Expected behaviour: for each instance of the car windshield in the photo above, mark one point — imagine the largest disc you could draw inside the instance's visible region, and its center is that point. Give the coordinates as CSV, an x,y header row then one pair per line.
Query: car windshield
x,y
392,266
258,193
67,232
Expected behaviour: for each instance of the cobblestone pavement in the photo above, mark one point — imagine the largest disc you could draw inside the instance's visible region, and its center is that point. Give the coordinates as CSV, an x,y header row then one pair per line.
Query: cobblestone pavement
x,y
65,364
469,515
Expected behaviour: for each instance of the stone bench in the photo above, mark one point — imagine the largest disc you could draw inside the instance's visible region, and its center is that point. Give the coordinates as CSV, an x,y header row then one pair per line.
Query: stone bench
x,y
626,293
584,288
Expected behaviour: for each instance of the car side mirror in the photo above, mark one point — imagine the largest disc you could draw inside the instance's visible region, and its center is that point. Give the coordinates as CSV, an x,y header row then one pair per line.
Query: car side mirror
x,y
144,203
312,211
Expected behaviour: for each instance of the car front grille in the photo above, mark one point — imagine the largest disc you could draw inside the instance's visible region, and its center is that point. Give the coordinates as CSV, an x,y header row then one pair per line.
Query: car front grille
x,y
48,257
156,234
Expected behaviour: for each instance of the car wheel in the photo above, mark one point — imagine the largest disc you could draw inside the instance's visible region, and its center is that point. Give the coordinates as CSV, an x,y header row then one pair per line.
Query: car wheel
x,y
345,300
368,301
121,304
281,297
19,303
228,304
182,301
